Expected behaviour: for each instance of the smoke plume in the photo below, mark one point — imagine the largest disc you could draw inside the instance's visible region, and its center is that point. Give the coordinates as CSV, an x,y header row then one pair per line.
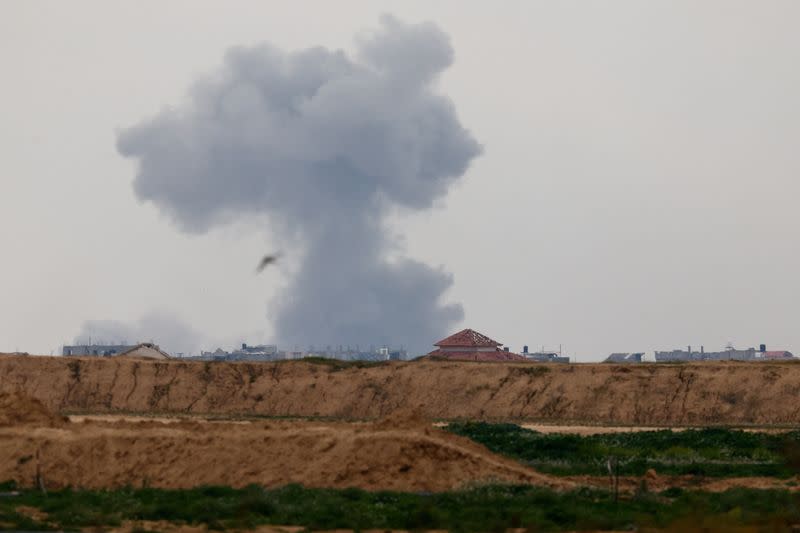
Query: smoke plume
x,y
323,143
171,334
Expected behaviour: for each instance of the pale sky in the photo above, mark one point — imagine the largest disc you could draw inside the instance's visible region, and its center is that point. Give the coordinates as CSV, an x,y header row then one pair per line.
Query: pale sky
x,y
637,187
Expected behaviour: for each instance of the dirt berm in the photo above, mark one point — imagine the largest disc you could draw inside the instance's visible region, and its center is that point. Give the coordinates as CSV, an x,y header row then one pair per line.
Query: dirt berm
x,y
397,453
726,393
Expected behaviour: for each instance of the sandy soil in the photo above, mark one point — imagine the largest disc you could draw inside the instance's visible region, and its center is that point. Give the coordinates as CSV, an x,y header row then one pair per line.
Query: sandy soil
x,y
403,451
541,428
725,393
18,409
400,452
569,429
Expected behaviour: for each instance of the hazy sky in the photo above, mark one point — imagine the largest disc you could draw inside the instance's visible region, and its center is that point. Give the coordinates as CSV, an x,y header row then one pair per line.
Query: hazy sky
x,y
637,187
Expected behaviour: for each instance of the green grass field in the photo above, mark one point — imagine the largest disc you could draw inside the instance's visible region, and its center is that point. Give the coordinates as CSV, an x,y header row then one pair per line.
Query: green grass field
x,y
705,452
490,508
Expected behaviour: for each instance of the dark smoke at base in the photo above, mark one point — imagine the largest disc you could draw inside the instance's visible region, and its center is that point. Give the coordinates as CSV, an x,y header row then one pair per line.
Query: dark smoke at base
x,y
323,144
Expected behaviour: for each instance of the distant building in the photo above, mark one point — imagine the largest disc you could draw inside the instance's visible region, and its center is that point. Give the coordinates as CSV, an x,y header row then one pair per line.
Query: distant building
x,y
146,350
329,352
271,352
219,353
543,356
95,349
780,354
729,354
397,355
260,352
470,345
635,357
348,353
546,357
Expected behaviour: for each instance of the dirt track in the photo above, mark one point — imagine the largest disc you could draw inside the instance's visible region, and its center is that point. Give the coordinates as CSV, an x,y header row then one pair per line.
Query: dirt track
x,y
761,394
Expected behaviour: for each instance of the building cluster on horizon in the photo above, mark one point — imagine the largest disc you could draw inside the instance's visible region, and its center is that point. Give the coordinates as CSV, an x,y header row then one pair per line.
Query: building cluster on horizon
x,y
729,354
145,349
271,352
466,345
95,349
259,352
544,356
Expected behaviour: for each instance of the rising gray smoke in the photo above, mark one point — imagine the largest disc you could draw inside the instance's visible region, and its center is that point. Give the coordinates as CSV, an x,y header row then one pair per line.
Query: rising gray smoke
x,y
163,328
323,144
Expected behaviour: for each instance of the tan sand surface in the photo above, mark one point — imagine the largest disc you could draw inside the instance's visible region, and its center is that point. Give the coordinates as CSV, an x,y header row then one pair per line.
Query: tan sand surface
x,y
401,452
19,409
682,395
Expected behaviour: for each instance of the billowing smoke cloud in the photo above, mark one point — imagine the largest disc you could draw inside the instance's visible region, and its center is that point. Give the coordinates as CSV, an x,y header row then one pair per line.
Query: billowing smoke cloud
x,y
323,144
171,334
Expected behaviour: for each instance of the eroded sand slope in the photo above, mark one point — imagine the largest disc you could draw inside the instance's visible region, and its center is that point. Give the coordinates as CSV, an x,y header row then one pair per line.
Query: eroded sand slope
x,y
688,394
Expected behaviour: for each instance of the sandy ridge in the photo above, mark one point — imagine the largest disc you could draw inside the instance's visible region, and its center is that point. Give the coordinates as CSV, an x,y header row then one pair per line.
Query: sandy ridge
x,y
725,393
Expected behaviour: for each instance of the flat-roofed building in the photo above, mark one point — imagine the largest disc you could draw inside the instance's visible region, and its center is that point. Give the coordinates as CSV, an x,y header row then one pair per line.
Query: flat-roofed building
x,y
635,357
777,354
95,349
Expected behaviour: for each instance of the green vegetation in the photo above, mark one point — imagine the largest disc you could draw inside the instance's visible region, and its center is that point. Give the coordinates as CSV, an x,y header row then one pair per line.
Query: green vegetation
x,y
714,452
706,452
490,508
533,371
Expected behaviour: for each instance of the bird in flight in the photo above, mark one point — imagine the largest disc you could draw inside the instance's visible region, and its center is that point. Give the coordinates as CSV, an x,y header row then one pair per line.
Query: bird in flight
x,y
266,261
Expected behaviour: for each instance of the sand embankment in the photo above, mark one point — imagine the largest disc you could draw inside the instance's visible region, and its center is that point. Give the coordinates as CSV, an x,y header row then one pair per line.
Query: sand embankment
x,y
727,393
396,453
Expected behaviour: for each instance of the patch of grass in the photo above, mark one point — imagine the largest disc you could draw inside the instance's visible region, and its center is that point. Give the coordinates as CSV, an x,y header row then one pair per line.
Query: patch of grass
x,y
488,508
708,452
533,371
75,369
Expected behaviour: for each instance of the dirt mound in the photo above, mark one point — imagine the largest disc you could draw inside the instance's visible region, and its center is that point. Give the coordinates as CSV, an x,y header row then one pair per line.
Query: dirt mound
x,y
405,418
192,453
714,393
18,409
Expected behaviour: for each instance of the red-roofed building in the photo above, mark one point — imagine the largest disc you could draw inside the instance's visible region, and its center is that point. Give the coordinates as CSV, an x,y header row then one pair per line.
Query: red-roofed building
x,y
470,345
468,338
